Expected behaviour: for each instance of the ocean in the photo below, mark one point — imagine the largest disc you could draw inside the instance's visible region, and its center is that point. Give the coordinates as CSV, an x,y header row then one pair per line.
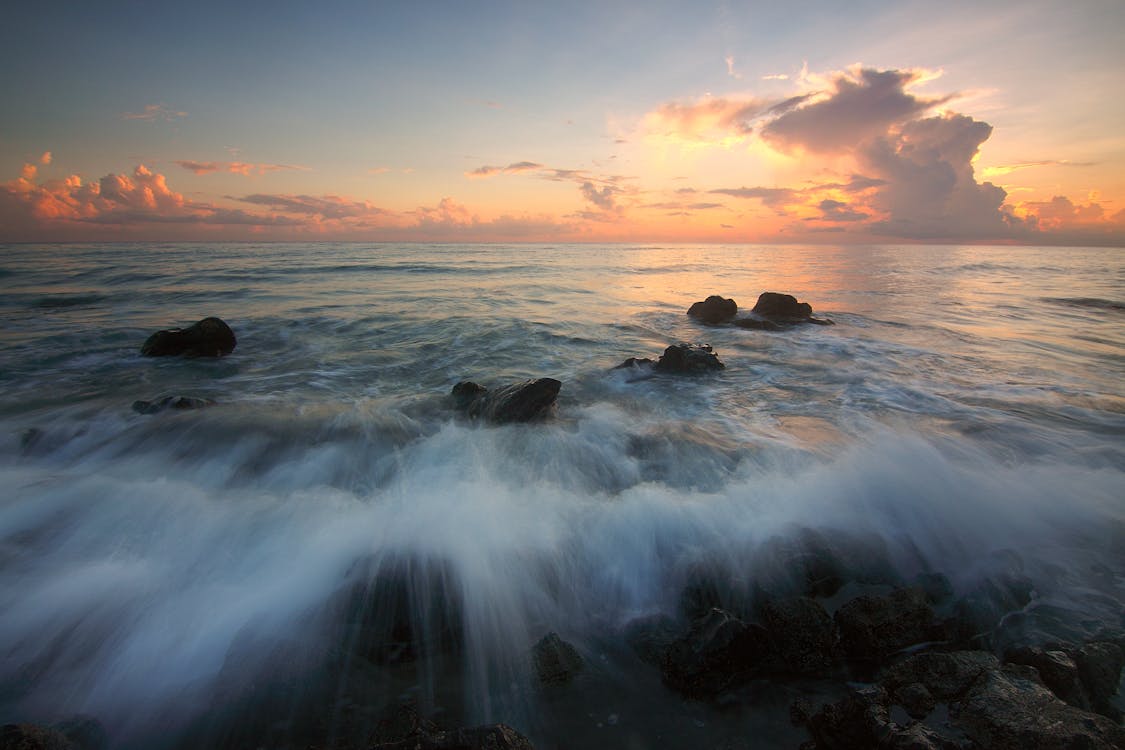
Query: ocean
x,y
210,577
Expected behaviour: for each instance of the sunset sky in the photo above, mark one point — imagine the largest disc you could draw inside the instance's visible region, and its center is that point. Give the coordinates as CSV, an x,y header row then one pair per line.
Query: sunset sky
x,y
566,121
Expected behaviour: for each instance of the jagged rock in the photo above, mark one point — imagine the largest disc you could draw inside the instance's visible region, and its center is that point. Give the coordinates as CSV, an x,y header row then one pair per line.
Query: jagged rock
x,y
490,737
719,652
946,676
916,699
873,627
803,634
520,402
175,403
210,337
1009,709
714,309
688,358
33,737
650,637
1099,667
556,661
1057,670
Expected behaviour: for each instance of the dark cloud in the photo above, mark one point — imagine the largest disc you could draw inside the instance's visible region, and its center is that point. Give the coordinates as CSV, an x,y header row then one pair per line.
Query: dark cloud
x,y
831,210
325,206
772,197
862,105
603,198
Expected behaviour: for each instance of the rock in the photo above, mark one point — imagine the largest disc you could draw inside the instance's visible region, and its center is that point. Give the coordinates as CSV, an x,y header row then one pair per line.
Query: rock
x,y
210,337
556,661
650,637
490,737
947,676
1057,670
774,311
874,627
916,699
176,403
520,402
1099,667
719,652
859,720
714,309
688,358
1008,709
937,586
803,634
33,737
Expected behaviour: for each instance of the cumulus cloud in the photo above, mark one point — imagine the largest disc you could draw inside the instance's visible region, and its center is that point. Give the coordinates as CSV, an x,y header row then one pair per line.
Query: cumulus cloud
x,y
602,198
708,118
235,167
862,104
1061,212
155,113
45,158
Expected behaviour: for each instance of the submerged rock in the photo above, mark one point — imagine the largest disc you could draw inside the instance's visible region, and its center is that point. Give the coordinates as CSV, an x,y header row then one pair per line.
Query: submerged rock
x,y
210,337
714,309
775,311
176,403
556,661
520,402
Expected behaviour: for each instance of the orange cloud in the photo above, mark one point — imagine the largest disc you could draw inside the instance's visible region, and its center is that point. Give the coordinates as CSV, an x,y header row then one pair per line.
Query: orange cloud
x,y
235,167
45,158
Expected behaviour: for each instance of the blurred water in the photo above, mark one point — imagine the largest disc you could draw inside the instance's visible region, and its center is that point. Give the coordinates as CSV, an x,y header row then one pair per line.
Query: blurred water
x,y
967,410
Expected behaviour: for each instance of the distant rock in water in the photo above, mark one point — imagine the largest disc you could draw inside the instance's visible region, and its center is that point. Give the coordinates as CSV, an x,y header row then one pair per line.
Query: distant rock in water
x,y
714,309
520,402
775,311
210,337
178,403
678,358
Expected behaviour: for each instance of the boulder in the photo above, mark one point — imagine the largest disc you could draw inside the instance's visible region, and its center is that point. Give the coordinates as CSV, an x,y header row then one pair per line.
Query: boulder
x,y
1057,670
874,627
803,634
774,311
175,403
520,402
556,661
714,310
719,652
688,358
210,337
1099,667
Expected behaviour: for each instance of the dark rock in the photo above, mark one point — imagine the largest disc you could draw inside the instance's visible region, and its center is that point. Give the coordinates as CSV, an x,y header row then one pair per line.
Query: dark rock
x,y
937,586
916,699
1099,667
176,403
210,337
33,737
556,661
774,311
714,309
719,652
490,737
635,362
783,306
1009,709
803,633
947,676
977,614
873,627
401,722
84,732
650,637
859,720
688,358
520,402
800,711
1057,670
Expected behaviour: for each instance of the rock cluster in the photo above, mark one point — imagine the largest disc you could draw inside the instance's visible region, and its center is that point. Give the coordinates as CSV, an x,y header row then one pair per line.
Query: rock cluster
x,y
772,312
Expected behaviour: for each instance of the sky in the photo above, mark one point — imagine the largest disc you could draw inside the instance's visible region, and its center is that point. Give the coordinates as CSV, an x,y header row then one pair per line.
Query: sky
x,y
849,121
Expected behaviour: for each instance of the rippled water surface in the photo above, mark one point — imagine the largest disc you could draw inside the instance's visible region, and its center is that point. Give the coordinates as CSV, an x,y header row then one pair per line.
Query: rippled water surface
x,y
965,415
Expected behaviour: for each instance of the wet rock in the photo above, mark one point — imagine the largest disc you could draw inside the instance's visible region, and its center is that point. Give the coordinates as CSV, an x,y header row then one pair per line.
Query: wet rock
x,y
977,614
1009,709
688,358
490,737
859,720
556,661
401,722
210,337
946,676
916,699
650,637
873,627
719,652
174,403
774,312
526,401
1057,670
803,634
714,310
937,586
33,737
1099,667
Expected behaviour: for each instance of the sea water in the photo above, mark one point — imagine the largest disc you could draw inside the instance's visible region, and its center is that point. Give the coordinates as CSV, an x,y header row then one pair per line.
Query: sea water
x,y
209,573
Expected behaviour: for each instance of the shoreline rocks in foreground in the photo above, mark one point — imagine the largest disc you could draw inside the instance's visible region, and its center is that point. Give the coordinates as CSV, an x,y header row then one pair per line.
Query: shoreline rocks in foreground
x,y
210,337
527,401
772,312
